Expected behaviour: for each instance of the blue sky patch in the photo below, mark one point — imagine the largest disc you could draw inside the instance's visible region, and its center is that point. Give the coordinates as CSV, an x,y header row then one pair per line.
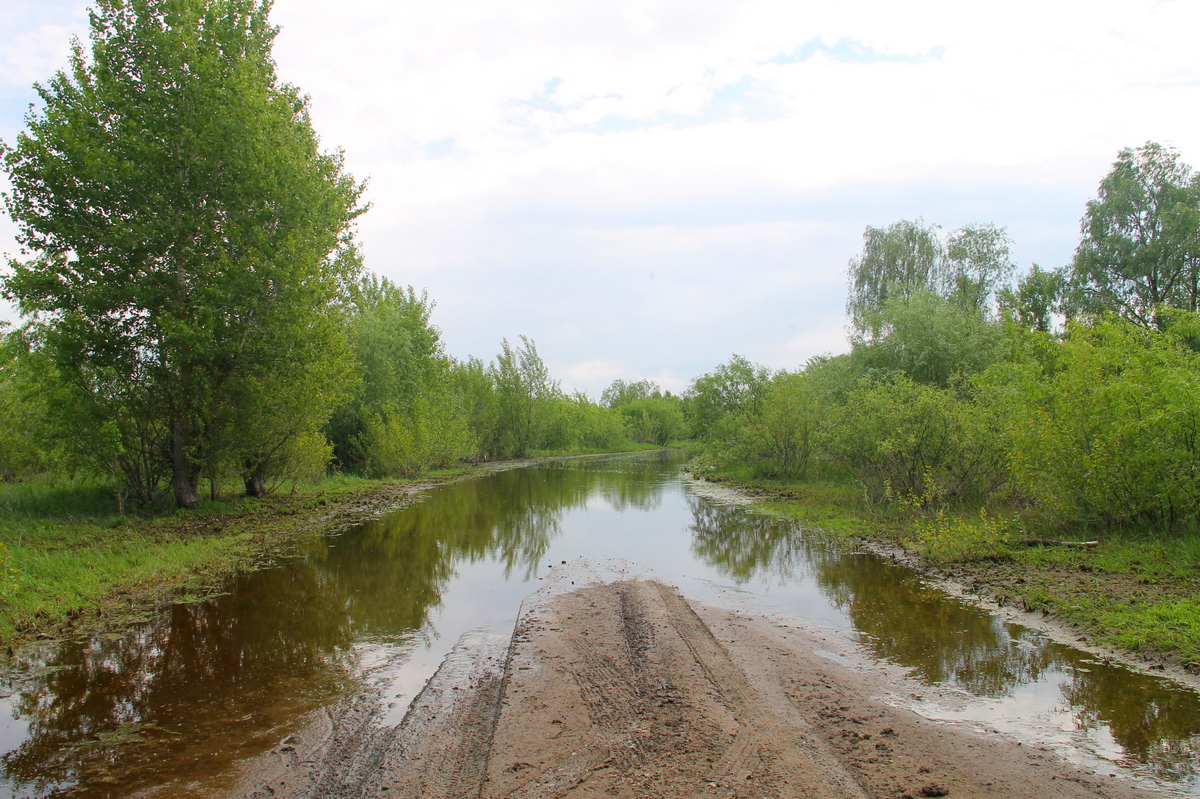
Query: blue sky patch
x,y
442,148
746,99
853,51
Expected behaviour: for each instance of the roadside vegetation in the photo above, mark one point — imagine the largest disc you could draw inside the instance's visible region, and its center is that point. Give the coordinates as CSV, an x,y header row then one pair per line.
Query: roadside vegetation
x,y
987,425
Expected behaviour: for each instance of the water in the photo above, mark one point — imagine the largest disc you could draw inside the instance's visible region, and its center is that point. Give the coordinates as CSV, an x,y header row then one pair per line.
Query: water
x,y
172,707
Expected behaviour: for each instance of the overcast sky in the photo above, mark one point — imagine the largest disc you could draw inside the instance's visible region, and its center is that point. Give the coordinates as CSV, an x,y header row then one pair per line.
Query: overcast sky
x,y
645,188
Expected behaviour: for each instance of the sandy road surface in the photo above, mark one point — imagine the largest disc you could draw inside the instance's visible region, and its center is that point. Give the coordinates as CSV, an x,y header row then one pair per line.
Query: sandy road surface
x,y
627,690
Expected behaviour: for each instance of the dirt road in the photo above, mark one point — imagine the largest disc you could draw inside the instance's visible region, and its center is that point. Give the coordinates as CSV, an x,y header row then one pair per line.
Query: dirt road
x,y
628,690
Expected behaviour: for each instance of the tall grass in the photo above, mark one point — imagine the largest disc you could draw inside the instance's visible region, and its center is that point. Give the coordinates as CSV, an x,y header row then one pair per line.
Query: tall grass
x,y
58,497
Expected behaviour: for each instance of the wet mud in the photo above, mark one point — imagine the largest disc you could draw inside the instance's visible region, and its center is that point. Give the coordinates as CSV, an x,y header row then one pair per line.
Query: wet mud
x,y
628,689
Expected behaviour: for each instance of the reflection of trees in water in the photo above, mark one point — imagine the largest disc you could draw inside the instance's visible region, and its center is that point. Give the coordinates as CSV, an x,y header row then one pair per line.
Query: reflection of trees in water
x,y
904,620
1154,721
207,683
919,626
943,640
184,678
396,568
743,546
627,482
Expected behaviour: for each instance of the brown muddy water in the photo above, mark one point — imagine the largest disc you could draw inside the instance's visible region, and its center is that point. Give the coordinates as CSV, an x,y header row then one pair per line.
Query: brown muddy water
x,y
174,705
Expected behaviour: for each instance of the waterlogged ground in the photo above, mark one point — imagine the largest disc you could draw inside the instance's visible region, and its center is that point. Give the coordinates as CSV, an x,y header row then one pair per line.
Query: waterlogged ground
x,y
178,704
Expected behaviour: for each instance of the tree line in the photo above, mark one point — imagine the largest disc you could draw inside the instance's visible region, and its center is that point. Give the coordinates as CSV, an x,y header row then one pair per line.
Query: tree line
x,y
195,309
1071,394
194,306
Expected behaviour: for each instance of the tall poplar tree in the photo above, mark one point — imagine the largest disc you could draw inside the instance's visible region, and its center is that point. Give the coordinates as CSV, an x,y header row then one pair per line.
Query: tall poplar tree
x,y
185,239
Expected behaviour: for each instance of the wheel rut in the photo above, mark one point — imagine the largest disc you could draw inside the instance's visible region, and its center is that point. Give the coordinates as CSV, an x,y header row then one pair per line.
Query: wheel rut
x,y
626,689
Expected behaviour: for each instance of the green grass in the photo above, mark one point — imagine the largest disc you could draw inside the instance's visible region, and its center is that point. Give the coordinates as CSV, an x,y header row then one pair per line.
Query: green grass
x,y
68,560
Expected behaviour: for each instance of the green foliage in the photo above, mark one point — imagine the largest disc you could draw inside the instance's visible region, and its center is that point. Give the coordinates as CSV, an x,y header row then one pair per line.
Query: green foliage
x,y
303,458
1035,301
781,438
404,416
470,383
657,419
928,339
905,440
23,441
1141,239
1109,433
978,264
576,423
907,258
185,229
428,437
946,539
896,261
525,398
621,392
720,401
651,416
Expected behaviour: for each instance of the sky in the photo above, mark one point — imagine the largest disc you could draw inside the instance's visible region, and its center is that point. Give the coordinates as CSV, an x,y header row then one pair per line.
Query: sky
x,y
647,187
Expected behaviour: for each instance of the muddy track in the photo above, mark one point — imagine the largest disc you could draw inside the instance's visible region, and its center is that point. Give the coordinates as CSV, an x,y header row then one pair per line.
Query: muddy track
x,y
628,690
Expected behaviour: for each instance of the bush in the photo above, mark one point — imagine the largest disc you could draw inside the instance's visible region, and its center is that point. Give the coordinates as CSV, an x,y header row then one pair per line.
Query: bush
x,y
655,419
1110,432
905,441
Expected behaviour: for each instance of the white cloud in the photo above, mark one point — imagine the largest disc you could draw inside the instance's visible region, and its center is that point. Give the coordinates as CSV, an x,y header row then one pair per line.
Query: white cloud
x,y
593,373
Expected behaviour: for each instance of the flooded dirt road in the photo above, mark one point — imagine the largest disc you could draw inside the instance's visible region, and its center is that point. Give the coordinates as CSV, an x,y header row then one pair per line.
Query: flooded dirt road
x,y
347,632
627,689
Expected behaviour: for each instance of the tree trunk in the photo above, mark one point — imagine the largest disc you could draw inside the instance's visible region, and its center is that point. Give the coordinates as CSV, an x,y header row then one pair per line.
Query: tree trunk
x,y
184,477
256,486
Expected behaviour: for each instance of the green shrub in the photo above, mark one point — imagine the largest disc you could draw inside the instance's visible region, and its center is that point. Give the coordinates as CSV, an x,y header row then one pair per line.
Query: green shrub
x,y
905,440
1109,433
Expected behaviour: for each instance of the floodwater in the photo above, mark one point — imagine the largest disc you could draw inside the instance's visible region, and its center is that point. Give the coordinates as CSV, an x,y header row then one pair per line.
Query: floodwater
x,y
171,707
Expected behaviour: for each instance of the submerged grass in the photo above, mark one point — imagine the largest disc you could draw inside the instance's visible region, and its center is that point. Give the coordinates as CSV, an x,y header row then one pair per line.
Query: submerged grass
x,y
1137,590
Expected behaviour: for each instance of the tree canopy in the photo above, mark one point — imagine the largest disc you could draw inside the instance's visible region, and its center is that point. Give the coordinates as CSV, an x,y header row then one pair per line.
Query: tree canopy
x,y
908,258
183,234
1140,248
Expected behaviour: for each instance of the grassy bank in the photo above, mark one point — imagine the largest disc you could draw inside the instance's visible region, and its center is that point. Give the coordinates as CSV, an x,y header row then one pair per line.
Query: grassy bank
x,y
71,561
1137,590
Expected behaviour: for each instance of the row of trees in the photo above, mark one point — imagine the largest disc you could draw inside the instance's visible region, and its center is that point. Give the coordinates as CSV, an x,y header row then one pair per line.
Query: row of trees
x,y
194,306
401,406
1073,394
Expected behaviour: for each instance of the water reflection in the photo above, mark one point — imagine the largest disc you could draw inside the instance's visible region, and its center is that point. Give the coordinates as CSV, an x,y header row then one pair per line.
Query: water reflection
x,y
278,644
942,640
1155,723
166,700
745,547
